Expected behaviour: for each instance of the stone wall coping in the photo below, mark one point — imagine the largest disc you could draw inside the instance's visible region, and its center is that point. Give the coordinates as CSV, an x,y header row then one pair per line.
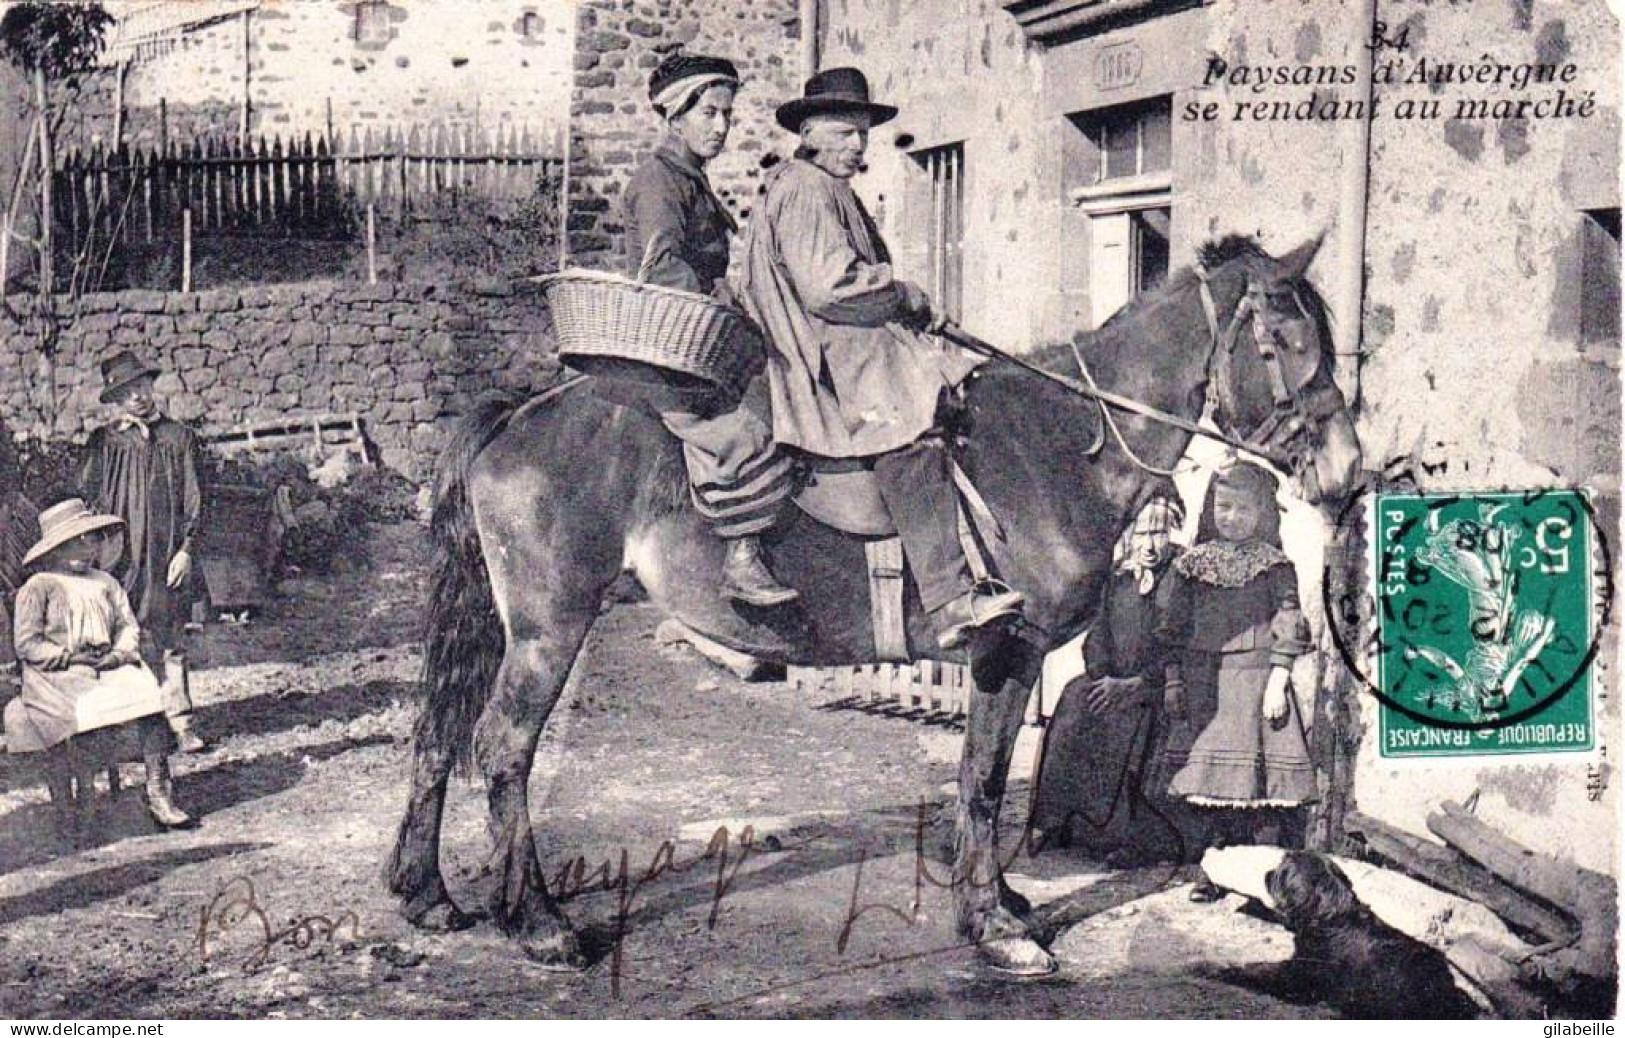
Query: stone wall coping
x,y
138,300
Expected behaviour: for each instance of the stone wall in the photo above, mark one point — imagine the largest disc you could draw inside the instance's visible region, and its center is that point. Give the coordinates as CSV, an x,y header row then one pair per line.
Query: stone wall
x,y
962,72
1477,365
612,126
475,65
407,357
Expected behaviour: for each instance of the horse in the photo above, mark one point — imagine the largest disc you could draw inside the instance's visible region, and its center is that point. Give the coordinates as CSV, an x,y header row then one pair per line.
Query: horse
x,y
539,506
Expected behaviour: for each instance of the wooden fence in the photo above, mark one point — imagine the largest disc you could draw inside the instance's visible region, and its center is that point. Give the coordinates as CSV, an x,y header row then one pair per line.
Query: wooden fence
x,y
928,686
308,188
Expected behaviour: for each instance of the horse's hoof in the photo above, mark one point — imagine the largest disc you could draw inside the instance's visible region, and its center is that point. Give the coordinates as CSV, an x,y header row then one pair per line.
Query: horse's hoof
x,y
442,917
556,953
1017,956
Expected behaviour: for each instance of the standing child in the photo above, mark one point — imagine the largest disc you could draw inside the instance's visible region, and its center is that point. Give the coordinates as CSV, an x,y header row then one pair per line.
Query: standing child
x,y
79,645
1235,620
143,468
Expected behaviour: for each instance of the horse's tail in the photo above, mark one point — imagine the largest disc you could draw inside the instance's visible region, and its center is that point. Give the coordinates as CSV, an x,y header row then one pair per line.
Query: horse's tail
x,y
464,641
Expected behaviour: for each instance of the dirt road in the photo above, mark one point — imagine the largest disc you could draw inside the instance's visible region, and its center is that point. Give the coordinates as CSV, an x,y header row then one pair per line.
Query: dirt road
x,y
655,757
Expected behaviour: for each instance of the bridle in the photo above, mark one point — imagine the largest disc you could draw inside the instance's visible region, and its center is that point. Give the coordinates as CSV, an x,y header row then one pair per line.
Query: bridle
x,y
1284,438
1289,433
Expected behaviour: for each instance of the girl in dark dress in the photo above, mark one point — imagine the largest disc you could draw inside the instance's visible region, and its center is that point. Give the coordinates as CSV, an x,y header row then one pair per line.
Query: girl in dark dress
x,y
1235,621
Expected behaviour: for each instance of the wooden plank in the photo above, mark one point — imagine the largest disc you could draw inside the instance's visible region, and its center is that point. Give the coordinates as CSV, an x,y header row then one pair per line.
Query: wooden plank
x,y
1591,897
148,173
279,182
1444,868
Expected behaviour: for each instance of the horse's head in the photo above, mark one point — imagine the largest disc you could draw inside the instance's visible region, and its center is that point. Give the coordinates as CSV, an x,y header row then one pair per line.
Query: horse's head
x,y
1271,370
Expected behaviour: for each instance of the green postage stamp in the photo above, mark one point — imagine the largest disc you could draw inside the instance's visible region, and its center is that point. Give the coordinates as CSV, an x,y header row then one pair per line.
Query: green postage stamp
x,y
1484,622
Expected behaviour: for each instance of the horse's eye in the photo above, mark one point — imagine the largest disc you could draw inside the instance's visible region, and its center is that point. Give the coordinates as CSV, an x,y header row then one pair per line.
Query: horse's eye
x,y
1282,300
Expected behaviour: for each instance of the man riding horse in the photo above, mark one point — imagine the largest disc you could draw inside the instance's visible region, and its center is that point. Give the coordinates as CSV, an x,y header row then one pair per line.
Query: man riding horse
x,y
854,373
540,506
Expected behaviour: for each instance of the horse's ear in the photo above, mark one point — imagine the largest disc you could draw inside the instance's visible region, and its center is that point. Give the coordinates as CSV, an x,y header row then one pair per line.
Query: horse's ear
x,y
1295,264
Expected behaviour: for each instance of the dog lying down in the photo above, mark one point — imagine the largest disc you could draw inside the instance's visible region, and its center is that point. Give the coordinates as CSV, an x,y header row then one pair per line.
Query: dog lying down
x,y
1348,958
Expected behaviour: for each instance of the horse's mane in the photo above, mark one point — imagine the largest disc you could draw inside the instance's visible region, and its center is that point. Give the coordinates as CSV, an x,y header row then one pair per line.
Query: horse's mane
x,y
1130,321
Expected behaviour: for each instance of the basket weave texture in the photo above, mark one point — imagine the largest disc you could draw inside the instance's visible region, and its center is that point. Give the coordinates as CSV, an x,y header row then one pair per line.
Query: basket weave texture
x,y
599,315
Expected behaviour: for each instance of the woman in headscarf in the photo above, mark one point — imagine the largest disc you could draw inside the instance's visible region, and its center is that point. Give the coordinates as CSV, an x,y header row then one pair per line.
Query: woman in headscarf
x,y
1108,725
677,233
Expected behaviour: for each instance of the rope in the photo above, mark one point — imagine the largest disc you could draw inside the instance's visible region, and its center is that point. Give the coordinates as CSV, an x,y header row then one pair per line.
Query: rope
x,y
1210,311
1111,422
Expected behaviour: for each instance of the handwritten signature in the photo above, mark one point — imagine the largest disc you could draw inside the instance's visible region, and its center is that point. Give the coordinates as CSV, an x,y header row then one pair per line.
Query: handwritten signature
x,y
574,879
237,905
616,874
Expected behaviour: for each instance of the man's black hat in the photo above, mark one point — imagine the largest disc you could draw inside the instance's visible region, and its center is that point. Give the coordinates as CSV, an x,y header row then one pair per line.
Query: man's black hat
x,y
831,91
120,370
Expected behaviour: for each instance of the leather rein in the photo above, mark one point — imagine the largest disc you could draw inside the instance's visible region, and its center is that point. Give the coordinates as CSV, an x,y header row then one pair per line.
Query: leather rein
x,y
1289,418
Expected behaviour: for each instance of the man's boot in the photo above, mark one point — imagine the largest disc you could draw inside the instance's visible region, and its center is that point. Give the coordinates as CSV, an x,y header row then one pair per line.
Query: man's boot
x,y
746,578
956,620
178,703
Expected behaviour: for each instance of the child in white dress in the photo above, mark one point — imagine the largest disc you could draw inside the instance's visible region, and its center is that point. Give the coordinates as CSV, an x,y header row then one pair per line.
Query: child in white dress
x,y
77,639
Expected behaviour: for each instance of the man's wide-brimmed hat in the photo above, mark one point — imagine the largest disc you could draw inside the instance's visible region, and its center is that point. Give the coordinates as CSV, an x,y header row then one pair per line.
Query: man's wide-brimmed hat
x,y
830,92
120,370
64,521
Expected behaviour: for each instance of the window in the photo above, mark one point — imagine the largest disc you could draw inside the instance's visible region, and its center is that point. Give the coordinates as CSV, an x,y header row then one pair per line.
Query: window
x,y
372,23
530,25
945,219
1599,278
1119,171
1132,140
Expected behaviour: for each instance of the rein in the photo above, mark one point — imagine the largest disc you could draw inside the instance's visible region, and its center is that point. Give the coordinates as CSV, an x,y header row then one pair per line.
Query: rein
x,y
1089,390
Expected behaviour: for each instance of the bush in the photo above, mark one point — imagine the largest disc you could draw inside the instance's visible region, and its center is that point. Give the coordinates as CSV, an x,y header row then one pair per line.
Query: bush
x,y
329,531
50,471
471,237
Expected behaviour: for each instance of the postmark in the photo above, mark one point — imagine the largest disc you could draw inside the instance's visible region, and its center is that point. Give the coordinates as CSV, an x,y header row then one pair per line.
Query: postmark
x,y
1479,622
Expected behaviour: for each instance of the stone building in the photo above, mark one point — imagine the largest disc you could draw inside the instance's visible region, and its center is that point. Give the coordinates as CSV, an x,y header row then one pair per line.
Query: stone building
x,y
1055,157
310,66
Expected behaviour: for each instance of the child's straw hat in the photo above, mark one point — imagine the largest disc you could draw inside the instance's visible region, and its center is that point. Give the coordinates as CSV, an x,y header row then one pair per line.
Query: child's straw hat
x,y
64,521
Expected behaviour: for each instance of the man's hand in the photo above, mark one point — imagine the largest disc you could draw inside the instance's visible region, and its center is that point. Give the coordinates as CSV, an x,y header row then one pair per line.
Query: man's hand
x,y
1108,694
180,567
1275,703
921,313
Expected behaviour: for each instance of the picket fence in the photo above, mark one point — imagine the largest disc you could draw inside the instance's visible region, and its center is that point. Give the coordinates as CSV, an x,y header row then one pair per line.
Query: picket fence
x,y
309,187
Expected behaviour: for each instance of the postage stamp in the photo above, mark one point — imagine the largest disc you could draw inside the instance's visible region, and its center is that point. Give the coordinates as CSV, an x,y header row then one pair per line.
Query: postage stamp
x,y
1485,623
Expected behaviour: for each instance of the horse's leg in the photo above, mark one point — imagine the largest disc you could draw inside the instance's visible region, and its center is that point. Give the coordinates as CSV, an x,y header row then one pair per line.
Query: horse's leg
x,y
533,673
989,913
413,871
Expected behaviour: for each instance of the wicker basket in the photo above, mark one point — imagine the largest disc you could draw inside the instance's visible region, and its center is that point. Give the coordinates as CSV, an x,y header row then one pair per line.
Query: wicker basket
x,y
614,326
